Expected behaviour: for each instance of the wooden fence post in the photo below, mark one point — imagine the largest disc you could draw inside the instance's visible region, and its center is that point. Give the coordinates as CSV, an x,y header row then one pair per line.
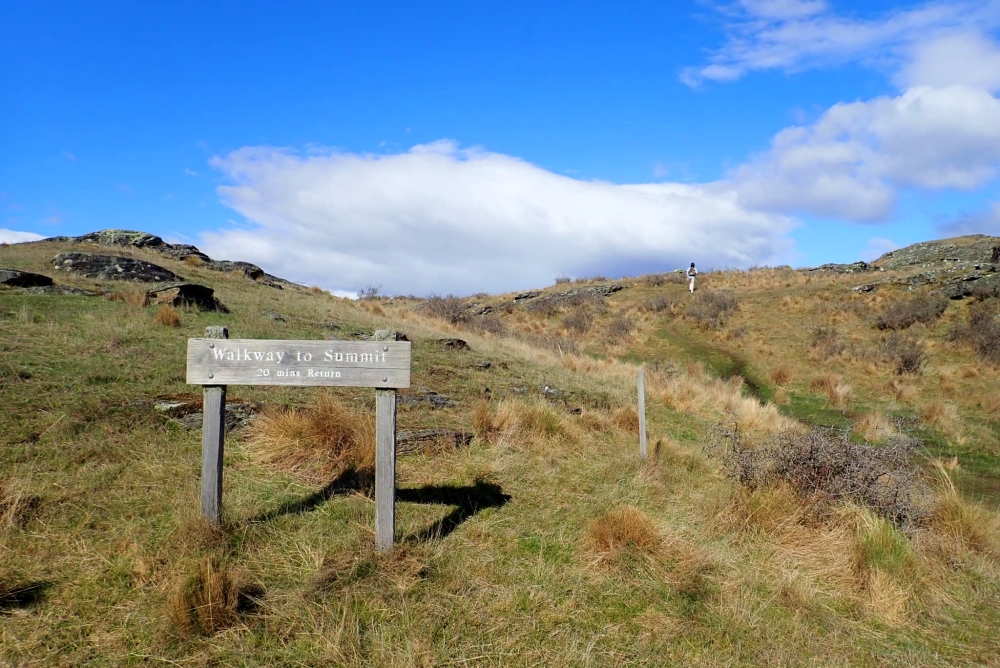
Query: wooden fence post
x,y
385,460
642,413
213,435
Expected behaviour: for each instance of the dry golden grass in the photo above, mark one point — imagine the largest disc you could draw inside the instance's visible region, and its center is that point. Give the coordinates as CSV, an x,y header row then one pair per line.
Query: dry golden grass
x,y
875,426
205,602
781,376
964,523
130,296
167,316
626,418
193,261
315,444
625,528
901,392
939,414
838,393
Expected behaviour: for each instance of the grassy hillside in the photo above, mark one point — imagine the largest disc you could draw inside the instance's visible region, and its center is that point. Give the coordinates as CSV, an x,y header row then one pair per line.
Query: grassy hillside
x,y
544,541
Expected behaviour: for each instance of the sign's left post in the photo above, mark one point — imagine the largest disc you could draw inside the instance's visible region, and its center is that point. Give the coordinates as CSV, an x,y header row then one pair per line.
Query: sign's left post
x,y
213,438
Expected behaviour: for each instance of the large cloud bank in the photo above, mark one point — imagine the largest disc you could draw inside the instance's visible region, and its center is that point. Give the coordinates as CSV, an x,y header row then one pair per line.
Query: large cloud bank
x,y
16,237
439,218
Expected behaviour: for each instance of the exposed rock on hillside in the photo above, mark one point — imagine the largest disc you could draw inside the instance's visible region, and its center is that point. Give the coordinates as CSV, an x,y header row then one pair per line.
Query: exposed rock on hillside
x,y
112,267
971,250
23,279
187,294
955,282
144,240
853,268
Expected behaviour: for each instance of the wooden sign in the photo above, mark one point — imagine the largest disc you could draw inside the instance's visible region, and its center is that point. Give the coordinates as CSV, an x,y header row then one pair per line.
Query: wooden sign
x,y
384,363
379,364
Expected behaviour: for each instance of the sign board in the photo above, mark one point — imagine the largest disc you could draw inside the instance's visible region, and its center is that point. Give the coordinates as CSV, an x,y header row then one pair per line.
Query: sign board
x,y
378,364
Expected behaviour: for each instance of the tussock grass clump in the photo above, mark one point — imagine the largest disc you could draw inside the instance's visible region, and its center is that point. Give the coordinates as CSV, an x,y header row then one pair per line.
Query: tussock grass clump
x,y
981,331
823,467
167,316
132,297
875,427
905,313
315,443
781,376
206,601
193,261
626,419
965,524
939,414
838,392
623,529
901,392
512,421
16,506
711,308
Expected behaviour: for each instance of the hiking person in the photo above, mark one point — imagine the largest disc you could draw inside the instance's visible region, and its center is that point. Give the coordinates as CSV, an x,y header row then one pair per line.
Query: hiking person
x,y
691,273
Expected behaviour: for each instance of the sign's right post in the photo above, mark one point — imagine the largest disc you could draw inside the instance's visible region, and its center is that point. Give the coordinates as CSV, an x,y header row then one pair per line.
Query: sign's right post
x,y
385,460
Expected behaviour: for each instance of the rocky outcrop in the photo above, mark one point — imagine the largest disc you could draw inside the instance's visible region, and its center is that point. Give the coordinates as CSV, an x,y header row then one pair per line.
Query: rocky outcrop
x,y
853,268
955,283
418,440
113,268
186,294
23,279
181,252
971,250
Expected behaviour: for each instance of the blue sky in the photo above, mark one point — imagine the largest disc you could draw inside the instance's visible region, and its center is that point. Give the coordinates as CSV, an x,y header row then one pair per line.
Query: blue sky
x,y
456,147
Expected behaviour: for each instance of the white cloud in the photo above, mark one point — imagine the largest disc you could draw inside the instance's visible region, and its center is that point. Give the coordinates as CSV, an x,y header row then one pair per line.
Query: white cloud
x,y
851,162
190,172
983,222
16,237
443,219
796,35
969,58
877,247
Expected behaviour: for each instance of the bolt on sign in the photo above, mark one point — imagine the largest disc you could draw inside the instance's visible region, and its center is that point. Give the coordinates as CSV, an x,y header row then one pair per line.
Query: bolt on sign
x,y
383,363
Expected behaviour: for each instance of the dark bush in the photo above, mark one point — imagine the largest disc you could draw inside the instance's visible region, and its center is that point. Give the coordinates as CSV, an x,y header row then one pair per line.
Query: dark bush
x,y
823,467
578,321
826,339
562,278
712,308
981,331
657,304
902,314
905,352
488,323
985,289
369,293
544,307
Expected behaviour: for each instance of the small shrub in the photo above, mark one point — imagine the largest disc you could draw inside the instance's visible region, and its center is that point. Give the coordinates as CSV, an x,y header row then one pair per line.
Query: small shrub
x,y
905,352
489,323
369,293
625,528
902,314
826,340
711,308
875,427
620,327
981,331
781,376
562,279
654,280
578,321
450,309
193,261
657,304
167,316
823,466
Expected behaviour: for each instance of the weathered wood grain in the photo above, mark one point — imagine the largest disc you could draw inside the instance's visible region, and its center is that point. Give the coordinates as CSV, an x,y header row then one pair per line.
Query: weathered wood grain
x,y
642,413
213,435
385,460
379,364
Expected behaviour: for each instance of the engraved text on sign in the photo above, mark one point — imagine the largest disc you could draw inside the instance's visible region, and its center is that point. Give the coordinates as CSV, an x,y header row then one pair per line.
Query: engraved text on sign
x,y
384,364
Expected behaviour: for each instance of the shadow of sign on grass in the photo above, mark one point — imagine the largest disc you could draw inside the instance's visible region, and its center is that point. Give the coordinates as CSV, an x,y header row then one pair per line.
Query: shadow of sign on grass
x,y
348,482
22,595
467,499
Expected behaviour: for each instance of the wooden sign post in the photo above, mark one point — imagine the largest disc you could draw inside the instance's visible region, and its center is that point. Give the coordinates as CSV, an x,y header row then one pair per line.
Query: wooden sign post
x,y
384,363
